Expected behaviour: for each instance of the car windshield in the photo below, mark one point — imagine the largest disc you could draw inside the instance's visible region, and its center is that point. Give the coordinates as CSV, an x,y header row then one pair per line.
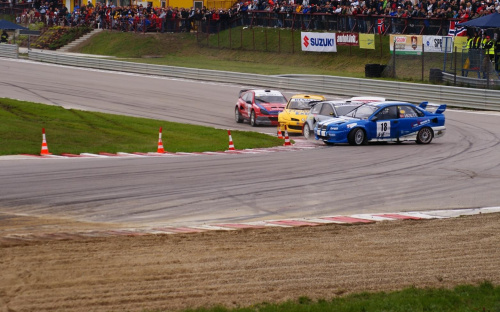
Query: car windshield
x,y
363,111
344,109
270,99
304,104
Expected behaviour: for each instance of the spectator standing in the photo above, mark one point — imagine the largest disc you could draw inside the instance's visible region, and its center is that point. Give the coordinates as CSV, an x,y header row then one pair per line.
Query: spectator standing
x,y
488,48
497,51
4,37
162,17
43,10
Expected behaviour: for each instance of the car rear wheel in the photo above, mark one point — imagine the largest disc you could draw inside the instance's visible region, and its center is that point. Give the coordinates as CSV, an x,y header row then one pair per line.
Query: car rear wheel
x,y
357,137
307,131
424,136
237,115
253,121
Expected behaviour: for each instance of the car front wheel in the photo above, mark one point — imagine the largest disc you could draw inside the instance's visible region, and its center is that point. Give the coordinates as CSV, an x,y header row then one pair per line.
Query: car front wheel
x,y
357,137
253,121
307,131
424,136
237,115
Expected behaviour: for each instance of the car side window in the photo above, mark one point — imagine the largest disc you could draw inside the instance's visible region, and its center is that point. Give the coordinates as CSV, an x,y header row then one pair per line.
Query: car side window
x,y
406,111
327,110
389,112
247,97
316,108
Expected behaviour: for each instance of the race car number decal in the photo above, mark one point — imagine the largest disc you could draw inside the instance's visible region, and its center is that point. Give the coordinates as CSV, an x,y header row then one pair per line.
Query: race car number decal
x,y
383,129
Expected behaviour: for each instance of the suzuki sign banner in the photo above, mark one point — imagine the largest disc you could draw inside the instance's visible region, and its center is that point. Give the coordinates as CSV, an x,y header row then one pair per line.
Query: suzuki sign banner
x,y
318,42
349,39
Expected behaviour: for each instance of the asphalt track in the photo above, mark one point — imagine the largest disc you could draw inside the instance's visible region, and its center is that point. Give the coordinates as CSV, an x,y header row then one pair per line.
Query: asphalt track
x,y
460,170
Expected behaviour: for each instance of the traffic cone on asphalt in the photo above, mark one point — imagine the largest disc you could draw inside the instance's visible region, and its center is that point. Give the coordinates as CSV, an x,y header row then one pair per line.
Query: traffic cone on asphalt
x,y
231,145
287,139
45,148
280,135
160,144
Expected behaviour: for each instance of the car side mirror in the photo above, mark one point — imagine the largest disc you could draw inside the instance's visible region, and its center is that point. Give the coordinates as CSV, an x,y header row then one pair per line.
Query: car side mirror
x,y
374,118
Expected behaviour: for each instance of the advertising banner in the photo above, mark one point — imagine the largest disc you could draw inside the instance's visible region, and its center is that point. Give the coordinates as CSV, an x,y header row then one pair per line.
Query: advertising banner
x,y
349,39
460,43
318,42
367,41
412,44
438,44
406,44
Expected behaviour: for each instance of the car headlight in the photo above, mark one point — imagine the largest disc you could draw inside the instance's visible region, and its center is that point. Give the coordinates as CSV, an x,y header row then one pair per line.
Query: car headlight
x,y
283,116
263,110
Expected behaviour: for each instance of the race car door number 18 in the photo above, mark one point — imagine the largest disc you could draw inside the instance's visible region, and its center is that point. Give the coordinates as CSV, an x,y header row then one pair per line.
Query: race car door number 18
x,y
383,129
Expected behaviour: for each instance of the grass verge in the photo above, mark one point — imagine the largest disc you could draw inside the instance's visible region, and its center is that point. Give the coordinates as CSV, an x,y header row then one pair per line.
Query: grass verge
x,y
186,50
75,131
466,298
257,50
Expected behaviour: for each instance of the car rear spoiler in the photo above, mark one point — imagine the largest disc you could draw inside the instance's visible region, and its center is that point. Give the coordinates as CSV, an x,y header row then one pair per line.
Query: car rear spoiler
x,y
423,105
441,108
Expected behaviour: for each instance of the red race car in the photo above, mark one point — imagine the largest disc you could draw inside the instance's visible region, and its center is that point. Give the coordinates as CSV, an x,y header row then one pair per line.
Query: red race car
x,y
260,107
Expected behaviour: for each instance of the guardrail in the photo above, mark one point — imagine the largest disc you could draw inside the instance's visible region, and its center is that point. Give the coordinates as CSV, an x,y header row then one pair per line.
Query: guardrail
x,y
469,81
9,50
410,92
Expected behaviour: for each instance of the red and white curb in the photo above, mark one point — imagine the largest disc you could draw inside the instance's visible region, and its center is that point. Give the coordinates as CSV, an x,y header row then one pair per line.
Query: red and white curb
x,y
300,144
286,223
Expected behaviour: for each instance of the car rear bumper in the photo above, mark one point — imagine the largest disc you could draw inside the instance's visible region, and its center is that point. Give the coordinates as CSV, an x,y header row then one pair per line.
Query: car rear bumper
x,y
439,131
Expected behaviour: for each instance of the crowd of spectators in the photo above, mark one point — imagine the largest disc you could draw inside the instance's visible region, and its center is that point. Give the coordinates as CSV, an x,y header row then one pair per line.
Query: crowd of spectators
x,y
355,15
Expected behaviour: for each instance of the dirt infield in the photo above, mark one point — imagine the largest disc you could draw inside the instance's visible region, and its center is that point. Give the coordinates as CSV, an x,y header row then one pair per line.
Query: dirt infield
x,y
236,268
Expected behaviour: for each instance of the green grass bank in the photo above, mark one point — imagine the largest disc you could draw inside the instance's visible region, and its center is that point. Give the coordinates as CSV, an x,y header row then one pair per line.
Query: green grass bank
x,y
257,50
466,298
75,131
190,50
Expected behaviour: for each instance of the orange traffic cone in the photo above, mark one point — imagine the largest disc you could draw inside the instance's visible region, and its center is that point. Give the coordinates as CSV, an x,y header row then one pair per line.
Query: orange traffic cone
x,y
280,135
45,148
287,139
160,144
231,145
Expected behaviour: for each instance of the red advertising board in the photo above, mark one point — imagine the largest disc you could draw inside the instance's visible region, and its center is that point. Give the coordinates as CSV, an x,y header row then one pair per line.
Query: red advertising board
x,y
351,39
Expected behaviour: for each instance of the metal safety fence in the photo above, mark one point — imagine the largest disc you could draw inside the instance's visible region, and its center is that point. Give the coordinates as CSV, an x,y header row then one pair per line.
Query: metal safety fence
x,y
404,91
9,50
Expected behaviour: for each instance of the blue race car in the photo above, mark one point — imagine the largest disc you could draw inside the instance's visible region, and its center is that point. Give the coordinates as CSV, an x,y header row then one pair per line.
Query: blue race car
x,y
384,122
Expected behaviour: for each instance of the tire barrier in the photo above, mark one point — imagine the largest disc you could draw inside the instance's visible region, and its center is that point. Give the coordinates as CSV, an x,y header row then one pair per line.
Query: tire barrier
x,y
372,70
436,75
